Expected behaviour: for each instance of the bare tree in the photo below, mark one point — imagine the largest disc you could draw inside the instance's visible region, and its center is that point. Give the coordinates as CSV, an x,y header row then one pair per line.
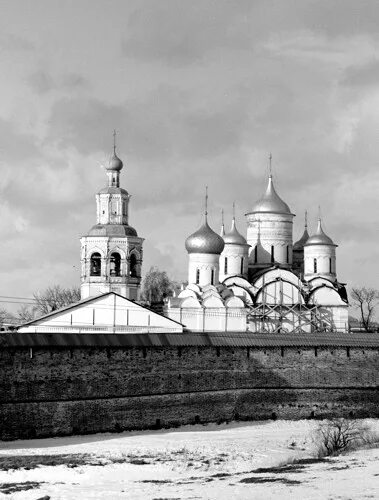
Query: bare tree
x,y
156,285
54,298
25,314
365,299
5,317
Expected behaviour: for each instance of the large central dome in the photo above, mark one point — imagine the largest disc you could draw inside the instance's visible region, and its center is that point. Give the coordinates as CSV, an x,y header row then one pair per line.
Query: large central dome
x,y
271,202
204,240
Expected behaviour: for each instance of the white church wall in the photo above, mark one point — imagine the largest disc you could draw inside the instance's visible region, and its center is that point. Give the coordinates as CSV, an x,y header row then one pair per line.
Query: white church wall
x,y
325,258
265,231
206,264
274,274
237,261
279,292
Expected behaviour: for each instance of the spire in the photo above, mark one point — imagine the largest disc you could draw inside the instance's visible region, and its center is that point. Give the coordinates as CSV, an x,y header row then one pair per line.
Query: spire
x,y
114,141
270,165
222,232
234,217
299,245
206,205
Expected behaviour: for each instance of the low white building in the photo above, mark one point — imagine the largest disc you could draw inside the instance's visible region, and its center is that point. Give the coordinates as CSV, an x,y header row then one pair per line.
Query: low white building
x,y
107,313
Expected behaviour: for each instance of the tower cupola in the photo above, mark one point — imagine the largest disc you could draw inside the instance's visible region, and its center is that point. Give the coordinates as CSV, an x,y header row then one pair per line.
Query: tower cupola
x,y
111,250
320,255
235,256
204,247
269,230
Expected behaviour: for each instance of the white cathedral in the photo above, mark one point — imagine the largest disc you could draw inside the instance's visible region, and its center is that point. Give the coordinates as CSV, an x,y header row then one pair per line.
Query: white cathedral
x,y
263,283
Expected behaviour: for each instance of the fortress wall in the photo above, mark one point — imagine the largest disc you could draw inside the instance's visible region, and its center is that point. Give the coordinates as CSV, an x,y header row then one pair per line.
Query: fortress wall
x,y
64,390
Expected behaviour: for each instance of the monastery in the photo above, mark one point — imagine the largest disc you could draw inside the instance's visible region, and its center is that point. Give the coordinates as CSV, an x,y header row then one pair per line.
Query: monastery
x,y
261,283
259,332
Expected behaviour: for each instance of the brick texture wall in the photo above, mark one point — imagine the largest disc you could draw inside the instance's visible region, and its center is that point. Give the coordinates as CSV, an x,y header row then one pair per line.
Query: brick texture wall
x,y
55,391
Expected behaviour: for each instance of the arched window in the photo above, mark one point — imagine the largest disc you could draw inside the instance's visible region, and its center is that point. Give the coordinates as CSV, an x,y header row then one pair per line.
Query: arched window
x,y
115,264
255,254
226,265
315,265
133,266
95,264
330,265
272,254
288,254
241,265
197,276
212,277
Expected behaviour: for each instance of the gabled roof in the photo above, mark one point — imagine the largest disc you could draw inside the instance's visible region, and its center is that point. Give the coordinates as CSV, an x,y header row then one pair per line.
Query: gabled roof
x,y
86,301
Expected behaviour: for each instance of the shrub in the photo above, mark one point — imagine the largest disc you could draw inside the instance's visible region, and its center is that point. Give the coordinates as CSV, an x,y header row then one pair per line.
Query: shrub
x,y
333,437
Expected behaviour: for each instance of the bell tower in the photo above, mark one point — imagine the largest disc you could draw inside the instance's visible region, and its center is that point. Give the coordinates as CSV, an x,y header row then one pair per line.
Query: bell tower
x,y
111,252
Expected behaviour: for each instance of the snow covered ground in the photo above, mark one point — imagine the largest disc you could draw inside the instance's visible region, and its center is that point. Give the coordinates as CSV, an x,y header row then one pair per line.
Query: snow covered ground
x,y
228,461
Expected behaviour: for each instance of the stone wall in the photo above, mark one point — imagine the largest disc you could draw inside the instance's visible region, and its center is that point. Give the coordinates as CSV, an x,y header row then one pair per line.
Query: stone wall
x,y
65,390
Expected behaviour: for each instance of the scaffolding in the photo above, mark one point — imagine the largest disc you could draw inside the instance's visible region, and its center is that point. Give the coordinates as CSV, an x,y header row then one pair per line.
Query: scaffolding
x,y
278,312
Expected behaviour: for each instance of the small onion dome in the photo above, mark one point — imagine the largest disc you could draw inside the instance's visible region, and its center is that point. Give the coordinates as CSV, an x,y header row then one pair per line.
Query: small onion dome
x,y
115,163
319,238
204,240
234,237
271,202
299,245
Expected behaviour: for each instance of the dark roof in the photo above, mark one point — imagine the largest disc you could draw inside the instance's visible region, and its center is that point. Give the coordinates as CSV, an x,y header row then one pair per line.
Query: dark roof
x,y
216,339
112,230
112,190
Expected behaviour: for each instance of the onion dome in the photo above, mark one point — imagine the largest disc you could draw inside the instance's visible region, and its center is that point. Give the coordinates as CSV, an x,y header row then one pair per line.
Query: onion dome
x,y
271,202
234,237
204,240
320,238
115,164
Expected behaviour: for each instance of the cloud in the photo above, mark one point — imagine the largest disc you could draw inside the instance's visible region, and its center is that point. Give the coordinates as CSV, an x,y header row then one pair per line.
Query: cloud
x,y
11,42
164,33
42,82
362,75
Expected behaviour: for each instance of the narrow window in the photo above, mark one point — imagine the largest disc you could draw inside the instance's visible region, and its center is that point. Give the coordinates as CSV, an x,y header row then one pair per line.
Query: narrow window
x,y
330,265
241,265
272,254
115,264
288,254
133,266
255,254
226,265
95,265
315,265
197,276
212,277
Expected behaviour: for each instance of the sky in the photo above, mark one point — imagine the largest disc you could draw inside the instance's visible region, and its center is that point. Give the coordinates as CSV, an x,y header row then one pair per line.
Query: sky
x,y
200,93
